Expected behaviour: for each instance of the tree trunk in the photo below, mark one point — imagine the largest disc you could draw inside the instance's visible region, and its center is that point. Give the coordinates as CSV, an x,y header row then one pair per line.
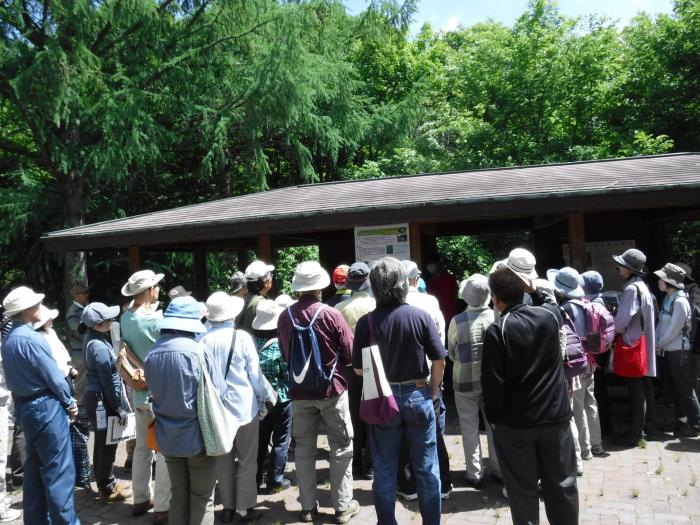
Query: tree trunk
x,y
72,188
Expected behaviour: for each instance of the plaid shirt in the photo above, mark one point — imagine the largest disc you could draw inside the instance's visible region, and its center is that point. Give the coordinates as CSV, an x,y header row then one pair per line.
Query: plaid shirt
x,y
465,341
274,368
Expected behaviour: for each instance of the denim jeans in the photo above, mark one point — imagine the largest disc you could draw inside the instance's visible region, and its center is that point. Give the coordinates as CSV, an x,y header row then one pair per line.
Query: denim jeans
x,y
416,422
278,426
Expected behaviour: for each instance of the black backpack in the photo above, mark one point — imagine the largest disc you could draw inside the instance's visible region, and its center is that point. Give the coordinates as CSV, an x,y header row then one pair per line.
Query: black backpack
x,y
306,374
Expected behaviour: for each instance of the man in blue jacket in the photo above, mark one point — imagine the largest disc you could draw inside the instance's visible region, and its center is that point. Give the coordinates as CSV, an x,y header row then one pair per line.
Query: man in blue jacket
x,y
43,406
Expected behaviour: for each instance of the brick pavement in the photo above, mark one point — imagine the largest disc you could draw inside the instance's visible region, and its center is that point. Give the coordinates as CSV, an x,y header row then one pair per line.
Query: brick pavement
x,y
657,484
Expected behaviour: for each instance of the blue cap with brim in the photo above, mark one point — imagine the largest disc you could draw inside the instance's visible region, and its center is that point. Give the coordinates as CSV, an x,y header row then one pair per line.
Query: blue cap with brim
x,y
96,313
567,280
183,313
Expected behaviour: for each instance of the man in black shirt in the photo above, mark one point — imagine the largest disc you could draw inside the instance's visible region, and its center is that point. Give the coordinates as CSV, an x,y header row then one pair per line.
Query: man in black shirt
x,y
526,402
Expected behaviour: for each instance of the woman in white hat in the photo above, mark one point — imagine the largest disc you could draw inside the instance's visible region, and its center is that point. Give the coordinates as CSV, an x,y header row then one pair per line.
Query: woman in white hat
x,y
43,406
79,432
234,359
673,342
278,424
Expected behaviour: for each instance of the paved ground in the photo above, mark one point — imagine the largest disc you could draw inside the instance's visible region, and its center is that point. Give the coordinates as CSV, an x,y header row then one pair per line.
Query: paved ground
x,y
655,485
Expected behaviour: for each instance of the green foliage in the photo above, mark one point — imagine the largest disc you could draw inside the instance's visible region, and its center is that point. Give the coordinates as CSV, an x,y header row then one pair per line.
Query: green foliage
x,y
464,255
287,261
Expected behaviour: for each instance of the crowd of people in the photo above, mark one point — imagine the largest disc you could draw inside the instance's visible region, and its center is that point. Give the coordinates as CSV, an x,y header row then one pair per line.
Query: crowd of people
x,y
218,389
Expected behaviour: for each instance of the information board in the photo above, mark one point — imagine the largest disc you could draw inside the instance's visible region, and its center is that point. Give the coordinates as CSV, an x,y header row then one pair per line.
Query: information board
x,y
375,242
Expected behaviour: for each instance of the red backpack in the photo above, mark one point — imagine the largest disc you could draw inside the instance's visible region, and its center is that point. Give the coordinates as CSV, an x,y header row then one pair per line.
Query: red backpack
x,y
600,327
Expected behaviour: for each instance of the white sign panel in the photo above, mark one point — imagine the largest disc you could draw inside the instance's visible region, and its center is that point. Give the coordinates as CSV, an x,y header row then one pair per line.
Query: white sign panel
x,y
375,242
599,258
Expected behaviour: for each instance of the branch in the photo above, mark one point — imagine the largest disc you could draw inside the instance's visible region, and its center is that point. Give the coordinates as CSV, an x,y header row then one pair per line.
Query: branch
x,y
127,32
169,65
33,33
17,149
105,30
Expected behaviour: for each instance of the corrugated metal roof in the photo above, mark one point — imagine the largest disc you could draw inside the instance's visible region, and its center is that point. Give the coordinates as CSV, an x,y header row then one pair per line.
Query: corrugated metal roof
x,y
638,174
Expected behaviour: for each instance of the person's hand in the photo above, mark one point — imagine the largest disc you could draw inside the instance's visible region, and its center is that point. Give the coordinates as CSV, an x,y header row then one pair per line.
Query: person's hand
x,y
123,414
72,412
436,405
530,286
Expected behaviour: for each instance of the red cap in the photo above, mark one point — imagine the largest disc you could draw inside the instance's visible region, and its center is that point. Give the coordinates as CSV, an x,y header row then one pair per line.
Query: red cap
x,y
340,274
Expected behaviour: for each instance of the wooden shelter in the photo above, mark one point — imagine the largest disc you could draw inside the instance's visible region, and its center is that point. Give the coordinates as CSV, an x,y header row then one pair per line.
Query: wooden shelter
x,y
563,205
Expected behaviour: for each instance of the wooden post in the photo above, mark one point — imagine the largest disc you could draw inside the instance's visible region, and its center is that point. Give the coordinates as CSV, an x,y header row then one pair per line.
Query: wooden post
x,y
415,243
201,291
265,248
135,258
577,240
242,257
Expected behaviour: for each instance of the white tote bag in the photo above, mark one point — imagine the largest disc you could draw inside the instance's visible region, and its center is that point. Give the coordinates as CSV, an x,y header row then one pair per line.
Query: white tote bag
x,y
378,405
218,428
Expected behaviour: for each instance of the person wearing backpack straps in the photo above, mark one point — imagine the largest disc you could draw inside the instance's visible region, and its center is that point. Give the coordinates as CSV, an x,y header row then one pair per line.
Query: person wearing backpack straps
x,y
634,318
567,281
316,344
673,343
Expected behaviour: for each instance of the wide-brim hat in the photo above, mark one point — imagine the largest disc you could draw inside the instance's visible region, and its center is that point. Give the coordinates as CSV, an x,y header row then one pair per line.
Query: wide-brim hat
x,y
310,276
284,300
567,281
96,313
521,262
20,299
141,281
632,259
688,271
183,313
672,274
47,314
266,315
221,307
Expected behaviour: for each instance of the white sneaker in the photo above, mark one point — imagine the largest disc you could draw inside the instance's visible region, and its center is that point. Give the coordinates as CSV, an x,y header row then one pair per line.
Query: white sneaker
x,y
9,514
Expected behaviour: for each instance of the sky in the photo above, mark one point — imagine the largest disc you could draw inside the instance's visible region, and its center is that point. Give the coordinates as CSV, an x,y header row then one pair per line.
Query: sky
x,y
450,14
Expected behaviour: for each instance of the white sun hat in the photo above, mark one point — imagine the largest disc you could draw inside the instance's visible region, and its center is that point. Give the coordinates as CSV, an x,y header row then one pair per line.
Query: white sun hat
x,y
21,299
310,276
140,281
266,315
222,307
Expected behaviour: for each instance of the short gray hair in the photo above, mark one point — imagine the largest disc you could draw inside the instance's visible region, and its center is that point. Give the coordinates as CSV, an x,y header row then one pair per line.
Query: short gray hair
x,y
389,282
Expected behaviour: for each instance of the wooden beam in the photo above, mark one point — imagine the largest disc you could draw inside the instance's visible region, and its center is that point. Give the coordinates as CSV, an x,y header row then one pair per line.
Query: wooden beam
x,y
201,291
265,247
415,243
577,240
135,258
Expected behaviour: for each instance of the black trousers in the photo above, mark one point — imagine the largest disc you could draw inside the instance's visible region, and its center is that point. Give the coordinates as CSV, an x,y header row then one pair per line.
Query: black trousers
x,y
643,405
547,453
103,455
361,454
681,375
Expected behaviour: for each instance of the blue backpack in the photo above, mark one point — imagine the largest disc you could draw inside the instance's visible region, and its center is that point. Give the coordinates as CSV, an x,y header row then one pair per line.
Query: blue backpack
x,y
306,374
